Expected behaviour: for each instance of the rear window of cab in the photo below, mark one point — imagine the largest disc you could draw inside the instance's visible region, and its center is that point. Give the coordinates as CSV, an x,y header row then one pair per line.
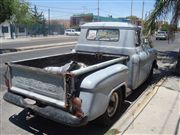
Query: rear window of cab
x,y
103,35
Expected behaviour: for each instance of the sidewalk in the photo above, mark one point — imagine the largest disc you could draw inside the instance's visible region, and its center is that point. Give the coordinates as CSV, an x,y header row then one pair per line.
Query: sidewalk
x,y
161,115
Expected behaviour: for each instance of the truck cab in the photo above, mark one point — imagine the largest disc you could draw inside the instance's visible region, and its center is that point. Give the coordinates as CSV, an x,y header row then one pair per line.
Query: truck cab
x,y
119,39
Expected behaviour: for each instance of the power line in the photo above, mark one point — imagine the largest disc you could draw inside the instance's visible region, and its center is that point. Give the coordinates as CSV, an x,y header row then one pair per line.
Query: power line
x,y
61,8
61,11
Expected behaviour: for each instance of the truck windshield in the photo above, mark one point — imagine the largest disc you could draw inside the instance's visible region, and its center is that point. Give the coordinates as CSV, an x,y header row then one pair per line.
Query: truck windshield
x,y
103,34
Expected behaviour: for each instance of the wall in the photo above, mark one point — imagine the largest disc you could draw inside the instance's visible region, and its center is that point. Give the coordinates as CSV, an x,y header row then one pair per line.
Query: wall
x,y
21,31
5,31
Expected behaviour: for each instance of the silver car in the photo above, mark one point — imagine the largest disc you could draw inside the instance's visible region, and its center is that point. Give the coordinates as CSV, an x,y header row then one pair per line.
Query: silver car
x,y
161,35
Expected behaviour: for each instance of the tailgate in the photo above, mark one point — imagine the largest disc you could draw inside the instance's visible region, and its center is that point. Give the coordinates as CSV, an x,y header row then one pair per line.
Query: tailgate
x,y
38,84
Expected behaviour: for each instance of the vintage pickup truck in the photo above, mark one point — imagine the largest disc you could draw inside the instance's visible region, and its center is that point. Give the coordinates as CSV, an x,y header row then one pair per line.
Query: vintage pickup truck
x,y
108,62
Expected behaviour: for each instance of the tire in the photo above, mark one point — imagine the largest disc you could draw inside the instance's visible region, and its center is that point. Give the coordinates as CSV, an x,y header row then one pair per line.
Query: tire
x,y
178,64
150,74
113,110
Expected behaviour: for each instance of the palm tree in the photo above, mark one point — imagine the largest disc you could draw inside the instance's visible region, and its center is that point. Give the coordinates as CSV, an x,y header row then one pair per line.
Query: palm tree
x,y
162,9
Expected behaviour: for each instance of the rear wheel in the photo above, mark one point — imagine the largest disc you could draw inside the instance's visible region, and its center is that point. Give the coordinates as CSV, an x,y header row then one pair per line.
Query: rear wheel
x,y
150,74
113,110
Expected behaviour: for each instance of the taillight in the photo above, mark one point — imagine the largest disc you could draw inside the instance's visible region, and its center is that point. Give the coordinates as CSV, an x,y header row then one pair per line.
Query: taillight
x,y
6,77
7,82
76,107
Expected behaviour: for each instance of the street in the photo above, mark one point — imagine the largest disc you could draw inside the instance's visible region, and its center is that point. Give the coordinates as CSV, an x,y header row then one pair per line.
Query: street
x,y
14,120
9,44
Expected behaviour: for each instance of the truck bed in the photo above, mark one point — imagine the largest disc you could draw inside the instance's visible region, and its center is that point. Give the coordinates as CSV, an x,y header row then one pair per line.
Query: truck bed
x,y
29,78
59,60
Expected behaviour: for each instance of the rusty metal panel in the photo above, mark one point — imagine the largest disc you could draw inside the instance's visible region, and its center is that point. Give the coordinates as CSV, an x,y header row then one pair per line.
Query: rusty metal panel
x,y
37,81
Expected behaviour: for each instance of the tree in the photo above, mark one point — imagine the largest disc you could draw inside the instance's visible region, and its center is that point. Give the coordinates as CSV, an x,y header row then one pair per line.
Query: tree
x,y
22,13
134,20
162,9
165,27
38,22
6,10
15,11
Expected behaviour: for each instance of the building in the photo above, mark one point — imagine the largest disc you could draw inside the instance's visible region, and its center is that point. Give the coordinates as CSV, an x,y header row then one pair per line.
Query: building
x,y
21,31
5,30
8,30
80,19
57,26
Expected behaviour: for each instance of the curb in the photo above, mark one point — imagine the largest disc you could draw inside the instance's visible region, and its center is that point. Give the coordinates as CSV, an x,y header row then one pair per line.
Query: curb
x,y
134,110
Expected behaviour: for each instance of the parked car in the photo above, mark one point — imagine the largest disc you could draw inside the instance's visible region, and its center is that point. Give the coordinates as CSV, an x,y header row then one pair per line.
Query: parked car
x,y
161,35
72,32
108,63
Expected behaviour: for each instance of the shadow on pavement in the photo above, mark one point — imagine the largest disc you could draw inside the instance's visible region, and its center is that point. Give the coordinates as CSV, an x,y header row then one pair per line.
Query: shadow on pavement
x,y
168,56
38,125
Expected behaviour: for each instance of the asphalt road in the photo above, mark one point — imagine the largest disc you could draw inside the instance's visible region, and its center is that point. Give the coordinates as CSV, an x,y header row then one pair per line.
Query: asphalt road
x,y
165,45
14,120
41,41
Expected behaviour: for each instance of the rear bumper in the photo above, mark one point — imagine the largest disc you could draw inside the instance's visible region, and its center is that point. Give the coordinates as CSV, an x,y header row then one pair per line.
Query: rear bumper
x,y
161,37
48,112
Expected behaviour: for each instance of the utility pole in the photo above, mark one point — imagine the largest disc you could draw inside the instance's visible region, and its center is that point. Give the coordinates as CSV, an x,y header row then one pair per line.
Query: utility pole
x,y
49,21
142,23
142,10
131,7
98,10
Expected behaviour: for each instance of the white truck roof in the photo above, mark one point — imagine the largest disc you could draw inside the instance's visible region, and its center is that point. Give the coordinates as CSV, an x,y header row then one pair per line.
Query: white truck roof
x,y
109,24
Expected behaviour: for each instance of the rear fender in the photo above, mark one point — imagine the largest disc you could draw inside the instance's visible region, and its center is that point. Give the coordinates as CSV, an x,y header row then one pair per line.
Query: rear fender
x,y
101,84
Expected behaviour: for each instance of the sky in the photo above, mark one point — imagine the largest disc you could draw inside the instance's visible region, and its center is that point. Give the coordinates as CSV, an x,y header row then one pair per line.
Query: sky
x,y
63,9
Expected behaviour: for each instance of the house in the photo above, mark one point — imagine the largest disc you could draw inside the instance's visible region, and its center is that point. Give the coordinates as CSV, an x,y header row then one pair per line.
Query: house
x,y
8,30
20,31
5,30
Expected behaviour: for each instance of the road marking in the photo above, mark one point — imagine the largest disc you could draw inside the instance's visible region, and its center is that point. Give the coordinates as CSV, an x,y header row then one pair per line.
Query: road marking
x,y
134,110
44,46
41,48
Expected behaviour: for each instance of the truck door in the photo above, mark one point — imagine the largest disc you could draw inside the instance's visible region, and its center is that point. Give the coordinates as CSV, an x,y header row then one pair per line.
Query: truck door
x,y
144,55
